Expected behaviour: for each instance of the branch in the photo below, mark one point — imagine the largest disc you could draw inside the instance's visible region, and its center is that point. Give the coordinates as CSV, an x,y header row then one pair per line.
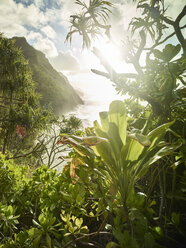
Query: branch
x,y
152,9
168,21
84,235
131,90
142,45
35,149
178,30
168,37
105,74
103,61
175,24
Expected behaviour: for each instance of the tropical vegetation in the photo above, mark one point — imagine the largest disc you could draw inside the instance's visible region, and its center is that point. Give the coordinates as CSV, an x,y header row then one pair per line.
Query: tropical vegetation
x,y
123,181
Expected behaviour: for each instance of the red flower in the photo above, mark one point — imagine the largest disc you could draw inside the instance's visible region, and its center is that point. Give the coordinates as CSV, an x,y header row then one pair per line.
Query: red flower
x,y
20,130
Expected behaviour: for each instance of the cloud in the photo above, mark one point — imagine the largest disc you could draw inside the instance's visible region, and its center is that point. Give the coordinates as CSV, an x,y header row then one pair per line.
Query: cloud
x,y
46,46
33,36
26,19
24,15
49,32
65,61
13,30
121,16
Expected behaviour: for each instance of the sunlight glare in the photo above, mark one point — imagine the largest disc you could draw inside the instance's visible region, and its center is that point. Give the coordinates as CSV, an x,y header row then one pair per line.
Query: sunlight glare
x,y
111,52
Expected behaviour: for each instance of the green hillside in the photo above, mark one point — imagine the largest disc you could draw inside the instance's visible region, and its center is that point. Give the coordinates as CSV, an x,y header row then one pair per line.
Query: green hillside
x,y
54,87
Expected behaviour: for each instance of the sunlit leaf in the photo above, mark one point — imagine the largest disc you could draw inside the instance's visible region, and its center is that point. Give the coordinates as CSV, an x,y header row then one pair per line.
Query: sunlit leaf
x,y
79,222
104,120
93,140
142,139
132,150
117,115
155,134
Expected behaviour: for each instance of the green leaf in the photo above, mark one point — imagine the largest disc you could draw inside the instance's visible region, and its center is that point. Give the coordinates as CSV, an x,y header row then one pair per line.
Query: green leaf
x,y
158,132
175,218
132,150
112,245
52,220
79,222
98,130
149,240
35,222
153,155
42,219
115,140
36,241
170,51
142,139
104,120
103,149
48,241
93,140
158,230
158,54
117,115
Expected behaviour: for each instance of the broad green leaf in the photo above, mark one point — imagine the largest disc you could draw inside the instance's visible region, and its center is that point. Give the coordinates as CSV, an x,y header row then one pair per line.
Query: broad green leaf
x,y
134,150
175,218
93,140
79,200
149,240
158,230
42,219
104,150
170,51
115,140
37,241
35,222
142,139
79,222
158,54
52,221
152,156
48,241
83,151
117,115
112,245
98,130
158,132
104,120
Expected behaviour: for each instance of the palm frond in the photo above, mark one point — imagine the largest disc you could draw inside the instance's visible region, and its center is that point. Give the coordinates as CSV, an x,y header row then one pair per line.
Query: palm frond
x,y
83,4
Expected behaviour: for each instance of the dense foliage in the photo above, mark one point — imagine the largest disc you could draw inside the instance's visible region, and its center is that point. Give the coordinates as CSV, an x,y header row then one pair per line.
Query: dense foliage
x,y
20,111
124,180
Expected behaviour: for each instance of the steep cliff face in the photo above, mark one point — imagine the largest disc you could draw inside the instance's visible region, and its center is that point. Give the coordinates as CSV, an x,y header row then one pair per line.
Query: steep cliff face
x,y
54,87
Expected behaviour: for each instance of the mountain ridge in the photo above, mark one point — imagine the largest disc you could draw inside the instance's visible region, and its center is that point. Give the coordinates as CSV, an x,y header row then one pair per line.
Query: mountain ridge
x,y
53,86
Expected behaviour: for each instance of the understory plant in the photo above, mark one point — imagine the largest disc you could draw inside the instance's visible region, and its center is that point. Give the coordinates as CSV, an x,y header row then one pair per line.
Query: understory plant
x,y
124,158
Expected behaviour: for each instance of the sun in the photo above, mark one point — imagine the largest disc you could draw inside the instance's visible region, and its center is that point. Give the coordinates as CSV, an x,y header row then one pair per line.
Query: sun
x,y
111,52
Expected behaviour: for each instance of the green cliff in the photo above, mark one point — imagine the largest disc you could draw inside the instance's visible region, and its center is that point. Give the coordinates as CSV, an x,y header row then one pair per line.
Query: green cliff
x,y
54,87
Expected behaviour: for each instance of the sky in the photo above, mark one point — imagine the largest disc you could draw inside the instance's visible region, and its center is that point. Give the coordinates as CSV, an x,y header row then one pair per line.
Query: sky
x,y
45,24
